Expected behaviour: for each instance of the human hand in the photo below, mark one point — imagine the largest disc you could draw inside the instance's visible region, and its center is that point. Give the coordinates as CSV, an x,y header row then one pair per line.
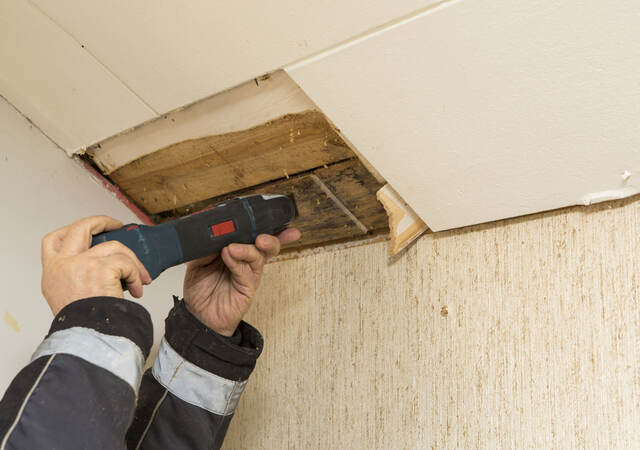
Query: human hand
x,y
71,270
218,288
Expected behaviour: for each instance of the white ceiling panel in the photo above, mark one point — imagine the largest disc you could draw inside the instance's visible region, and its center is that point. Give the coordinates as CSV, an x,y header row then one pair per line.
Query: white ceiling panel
x,y
51,79
476,110
172,52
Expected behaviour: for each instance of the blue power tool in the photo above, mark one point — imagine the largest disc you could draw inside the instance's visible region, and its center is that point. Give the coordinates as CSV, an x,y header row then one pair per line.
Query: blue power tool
x,y
204,233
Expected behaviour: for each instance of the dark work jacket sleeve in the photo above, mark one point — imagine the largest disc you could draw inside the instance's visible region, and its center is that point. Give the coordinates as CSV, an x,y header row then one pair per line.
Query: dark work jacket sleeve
x,y
187,399
79,391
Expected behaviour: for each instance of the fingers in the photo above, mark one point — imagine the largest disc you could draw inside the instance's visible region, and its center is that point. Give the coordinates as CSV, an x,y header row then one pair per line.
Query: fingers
x,y
268,245
51,243
117,248
246,261
79,233
289,235
237,254
125,269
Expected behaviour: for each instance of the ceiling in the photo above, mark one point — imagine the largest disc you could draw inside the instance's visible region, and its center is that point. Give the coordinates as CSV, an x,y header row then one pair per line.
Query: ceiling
x,y
474,111
85,70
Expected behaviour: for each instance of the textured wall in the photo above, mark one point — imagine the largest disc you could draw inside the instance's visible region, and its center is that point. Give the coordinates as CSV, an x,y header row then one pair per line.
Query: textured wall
x,y
517,334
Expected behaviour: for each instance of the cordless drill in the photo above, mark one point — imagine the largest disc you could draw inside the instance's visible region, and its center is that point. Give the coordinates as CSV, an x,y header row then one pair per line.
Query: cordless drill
x,y
204,233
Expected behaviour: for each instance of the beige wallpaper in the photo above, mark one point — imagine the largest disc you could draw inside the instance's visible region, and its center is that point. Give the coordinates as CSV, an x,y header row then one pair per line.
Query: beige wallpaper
x,y
517,334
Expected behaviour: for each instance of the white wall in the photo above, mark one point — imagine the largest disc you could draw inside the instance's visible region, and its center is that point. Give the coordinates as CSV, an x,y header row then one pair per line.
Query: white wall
x,y
42,189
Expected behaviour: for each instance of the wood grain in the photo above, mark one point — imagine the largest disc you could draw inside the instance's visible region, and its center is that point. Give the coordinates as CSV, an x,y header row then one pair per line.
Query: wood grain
x,y
199,169
356,187
245,106
320,215
519,334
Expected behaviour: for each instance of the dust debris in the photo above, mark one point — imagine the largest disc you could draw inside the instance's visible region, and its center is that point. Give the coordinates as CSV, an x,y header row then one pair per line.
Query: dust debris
x,y
444,312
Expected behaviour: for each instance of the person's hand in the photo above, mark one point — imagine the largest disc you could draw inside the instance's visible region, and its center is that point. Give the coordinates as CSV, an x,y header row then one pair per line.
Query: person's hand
x,y
72,271
218,288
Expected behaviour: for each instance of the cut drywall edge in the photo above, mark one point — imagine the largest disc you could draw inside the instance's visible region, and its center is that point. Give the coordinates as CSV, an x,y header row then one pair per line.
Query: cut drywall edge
x,y
248,105
404,224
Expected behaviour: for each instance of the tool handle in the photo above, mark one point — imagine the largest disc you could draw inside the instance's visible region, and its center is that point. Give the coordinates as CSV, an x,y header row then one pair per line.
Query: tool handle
x,y
204,233
156,247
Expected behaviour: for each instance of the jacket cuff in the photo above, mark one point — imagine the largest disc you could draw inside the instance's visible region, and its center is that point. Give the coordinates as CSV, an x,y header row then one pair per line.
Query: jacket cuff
x,y
232,358
108,332
110,316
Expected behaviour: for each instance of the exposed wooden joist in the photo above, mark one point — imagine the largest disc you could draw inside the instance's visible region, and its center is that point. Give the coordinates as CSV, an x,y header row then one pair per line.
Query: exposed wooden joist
x,y
202,168
356,188
322,196
262,137
245,106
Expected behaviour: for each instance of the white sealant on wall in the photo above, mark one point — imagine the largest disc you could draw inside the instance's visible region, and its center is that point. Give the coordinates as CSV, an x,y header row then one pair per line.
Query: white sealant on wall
x,y
613,194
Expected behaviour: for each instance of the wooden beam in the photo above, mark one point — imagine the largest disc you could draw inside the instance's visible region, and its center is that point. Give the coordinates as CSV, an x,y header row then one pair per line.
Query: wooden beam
x,y
207,167
242,107
334,203
265,136
356,187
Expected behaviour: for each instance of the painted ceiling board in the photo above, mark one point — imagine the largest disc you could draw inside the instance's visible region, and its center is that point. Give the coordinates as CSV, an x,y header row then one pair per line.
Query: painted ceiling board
x,y
248,105
172,53
476,111
58,85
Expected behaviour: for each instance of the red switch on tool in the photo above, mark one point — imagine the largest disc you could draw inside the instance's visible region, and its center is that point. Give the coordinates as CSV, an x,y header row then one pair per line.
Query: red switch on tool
x,y
222,228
